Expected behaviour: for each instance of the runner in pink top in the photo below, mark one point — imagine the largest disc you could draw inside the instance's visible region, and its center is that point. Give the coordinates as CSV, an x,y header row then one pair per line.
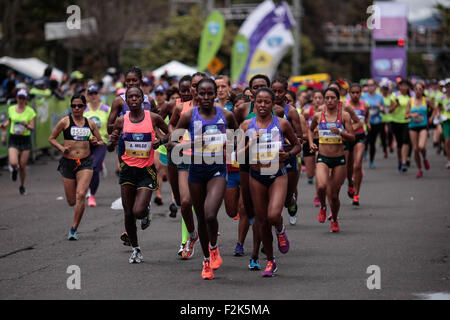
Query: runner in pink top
x,y
141,135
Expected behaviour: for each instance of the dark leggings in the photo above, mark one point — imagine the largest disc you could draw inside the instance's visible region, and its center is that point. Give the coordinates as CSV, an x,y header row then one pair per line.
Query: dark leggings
x,y
376,129
389,137
401,133
98,154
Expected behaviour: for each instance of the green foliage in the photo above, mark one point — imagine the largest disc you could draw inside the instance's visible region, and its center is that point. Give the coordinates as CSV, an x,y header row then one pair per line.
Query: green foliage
x,y
178,41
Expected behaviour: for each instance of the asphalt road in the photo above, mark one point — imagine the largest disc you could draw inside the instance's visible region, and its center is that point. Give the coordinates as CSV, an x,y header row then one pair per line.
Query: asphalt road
x,y
402,227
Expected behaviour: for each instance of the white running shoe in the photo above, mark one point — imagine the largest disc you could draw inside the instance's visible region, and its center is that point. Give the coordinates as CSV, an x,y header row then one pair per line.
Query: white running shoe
x,y
293,220
180,251
136,256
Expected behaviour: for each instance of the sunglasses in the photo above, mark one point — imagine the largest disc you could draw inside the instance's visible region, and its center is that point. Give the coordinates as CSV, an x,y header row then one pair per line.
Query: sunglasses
x,y
79,106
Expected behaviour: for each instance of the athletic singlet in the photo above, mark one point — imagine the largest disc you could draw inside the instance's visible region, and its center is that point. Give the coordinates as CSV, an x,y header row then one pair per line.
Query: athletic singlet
x,y
398,115
234,165
325,134
99,117
422,119
445,113
361,113
75,133
145,105
17,127
286,115
310,116
374,108
138,139
250,114
228,106
270,141
213,133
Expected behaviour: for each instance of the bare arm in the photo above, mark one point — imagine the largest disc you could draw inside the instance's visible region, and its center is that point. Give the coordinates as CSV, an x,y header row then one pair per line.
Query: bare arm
x,y
295,117
314,123
116,108
290,135
114,138
357,124
348,134
175,117
62,124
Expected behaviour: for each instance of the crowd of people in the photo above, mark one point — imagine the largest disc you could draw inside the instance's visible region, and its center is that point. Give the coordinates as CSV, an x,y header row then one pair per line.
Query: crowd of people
x,y
214,142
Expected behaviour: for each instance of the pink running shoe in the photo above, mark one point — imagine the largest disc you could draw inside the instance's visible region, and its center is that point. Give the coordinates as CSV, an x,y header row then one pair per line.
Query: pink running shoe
x,y
316,201
426,164
419,174
335,226
92,202
322,215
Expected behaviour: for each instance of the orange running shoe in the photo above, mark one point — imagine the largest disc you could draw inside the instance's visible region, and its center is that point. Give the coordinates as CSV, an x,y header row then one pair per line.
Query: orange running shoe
x,y
216,259
322,215
334,226
188,250
237,217
351,192
356,200
207,272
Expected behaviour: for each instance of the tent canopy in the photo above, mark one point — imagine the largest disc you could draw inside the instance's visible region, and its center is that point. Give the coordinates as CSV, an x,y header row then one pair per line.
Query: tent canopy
x,y
174,68
31,67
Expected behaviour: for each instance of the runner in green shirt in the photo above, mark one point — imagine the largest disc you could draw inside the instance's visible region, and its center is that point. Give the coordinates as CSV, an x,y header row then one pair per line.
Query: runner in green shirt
x,y
400,123
97,112
21,121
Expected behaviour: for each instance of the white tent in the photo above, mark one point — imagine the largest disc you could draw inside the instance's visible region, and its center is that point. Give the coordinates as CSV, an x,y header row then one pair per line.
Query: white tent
x,y
174,68
31,67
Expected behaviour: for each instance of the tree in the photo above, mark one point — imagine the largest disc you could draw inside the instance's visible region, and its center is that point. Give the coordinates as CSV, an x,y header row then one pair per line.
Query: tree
x,y
117,21
180,41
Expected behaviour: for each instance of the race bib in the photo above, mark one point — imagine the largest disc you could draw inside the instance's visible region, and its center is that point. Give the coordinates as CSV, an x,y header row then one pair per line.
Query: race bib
x,y
139,149
213,140
374,111
19,129
266,149
418,119
328,137
80,133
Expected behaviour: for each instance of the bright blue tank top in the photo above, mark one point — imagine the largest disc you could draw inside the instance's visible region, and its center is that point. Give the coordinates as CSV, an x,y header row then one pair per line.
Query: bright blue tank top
x,y
422,119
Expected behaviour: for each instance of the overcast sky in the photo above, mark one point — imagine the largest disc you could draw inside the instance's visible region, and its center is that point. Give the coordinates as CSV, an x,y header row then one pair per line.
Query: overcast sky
x,y
421,9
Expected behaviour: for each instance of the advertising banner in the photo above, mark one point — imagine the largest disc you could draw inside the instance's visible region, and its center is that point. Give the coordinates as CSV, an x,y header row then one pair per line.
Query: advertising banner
x,y
264,38
211,40
389,63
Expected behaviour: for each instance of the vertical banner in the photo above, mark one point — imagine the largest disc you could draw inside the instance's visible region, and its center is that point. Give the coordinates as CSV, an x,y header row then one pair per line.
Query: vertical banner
x,y
211,40
239,57
389,63
267,31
